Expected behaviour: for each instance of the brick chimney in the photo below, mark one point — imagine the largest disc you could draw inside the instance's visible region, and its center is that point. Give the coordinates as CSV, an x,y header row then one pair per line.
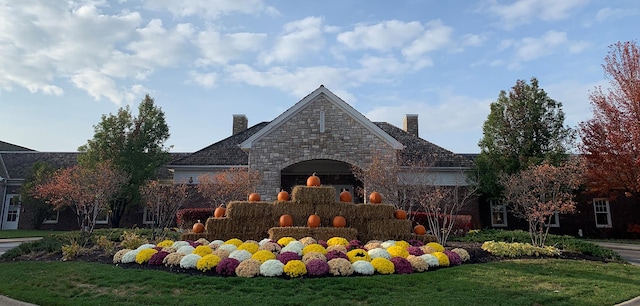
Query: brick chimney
x,y
240,123
410,124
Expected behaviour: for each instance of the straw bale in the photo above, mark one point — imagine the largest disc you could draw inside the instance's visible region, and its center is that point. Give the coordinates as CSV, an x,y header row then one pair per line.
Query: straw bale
x,y
300,212
245,210
319,233
387,229
218,226
318,195
327,212
375,211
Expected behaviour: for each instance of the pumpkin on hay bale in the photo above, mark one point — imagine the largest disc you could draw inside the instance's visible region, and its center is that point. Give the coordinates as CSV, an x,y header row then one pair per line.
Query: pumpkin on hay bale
x,y
315,195
298,211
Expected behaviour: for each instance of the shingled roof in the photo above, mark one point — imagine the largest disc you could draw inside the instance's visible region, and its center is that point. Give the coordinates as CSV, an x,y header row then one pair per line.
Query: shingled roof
x,y
225,152
5,146
18,164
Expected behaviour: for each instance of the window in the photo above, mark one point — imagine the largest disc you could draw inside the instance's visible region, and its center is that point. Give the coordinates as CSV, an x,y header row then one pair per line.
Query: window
x,y
498,213
555,220
602,212
102,216
52,218
148,217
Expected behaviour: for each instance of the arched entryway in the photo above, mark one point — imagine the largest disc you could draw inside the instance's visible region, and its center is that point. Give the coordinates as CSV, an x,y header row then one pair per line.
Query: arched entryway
x,y
331,172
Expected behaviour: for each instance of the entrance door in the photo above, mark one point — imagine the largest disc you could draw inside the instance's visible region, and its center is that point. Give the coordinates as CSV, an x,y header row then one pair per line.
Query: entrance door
x,y
11,212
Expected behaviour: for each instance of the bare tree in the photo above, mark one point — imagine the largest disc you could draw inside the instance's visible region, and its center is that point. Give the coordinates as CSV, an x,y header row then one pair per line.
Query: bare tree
x,y
229,185
163,202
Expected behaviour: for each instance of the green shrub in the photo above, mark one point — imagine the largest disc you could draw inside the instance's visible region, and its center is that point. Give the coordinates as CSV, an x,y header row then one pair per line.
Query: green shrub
x,y
517,249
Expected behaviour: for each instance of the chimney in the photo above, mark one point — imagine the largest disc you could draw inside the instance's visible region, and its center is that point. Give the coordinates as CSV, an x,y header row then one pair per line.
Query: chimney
x,y
410,124
240,123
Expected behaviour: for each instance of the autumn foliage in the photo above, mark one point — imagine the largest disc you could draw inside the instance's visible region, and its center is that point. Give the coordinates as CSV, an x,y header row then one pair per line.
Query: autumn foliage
x,y
87,190
163,202
539,192
611,139
234,184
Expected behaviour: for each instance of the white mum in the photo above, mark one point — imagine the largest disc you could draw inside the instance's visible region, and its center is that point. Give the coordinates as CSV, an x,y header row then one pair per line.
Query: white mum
x,y
431,260
130,256
186,249
240,255
388,244
379,252
271,267
228,247
146,246
179,244
363,267
189,261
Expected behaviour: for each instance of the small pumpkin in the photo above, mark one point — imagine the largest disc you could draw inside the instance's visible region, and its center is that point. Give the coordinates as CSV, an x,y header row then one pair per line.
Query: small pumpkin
x,y
219,212
313,221
339,221
254,197
420,229
313,180
283,195
400,214
375,197
345,196
198,227
286,220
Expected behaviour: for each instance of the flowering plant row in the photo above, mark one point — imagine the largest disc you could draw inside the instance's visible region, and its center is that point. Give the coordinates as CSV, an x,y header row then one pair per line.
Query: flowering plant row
x,y
517,249
292,258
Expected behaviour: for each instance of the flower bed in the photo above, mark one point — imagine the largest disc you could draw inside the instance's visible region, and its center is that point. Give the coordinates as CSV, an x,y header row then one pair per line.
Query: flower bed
x,y
293,258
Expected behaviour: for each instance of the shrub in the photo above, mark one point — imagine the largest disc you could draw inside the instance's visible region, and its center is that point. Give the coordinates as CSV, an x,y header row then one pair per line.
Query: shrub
x,y
132,240
186,217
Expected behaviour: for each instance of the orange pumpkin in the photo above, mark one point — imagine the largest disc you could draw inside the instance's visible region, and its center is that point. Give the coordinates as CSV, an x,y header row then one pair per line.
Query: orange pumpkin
x,y
198,227
339,221
420,229
375,197
283,196
219,212
345,196
313,221
286,220
254,197
313,180
400,214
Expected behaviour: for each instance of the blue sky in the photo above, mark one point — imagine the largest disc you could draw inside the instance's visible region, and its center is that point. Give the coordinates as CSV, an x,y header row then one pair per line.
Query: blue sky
x,y
65,63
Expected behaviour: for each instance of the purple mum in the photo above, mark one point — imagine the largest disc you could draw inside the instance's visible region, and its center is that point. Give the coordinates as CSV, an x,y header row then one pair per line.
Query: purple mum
x,y
415,251
454,258
354,244
336,254
317,267
227,267
323,243
285,257
416,243
401,265
157,258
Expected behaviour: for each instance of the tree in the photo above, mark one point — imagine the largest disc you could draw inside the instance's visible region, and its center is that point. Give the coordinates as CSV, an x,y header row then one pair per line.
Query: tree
x,y
134,145
163,202
88,190
524,127
39,173
611,139
540,192
229,185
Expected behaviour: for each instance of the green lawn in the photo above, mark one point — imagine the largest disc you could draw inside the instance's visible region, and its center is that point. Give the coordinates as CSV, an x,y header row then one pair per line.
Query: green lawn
x,y
516,282
4,234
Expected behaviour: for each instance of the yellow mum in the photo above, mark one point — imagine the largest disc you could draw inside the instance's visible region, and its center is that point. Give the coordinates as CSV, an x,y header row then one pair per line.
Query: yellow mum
x,y
251,247
358,254
235,241
165,243
207,262
337,241
285,240
263,255
144,255
398,251
314,248
202,250
402,244
436,246
383,265
443,260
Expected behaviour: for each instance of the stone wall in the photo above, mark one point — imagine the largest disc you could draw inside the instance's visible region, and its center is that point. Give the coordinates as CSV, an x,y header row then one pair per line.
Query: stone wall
x,y
301,138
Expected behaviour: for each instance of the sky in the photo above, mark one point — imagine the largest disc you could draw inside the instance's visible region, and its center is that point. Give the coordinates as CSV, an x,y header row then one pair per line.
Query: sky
x,y
65,63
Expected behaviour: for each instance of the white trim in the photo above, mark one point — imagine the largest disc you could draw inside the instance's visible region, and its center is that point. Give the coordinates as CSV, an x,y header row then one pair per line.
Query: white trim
x,y
106,216
247,144
49,220
502,211
607,211
145,213
555,221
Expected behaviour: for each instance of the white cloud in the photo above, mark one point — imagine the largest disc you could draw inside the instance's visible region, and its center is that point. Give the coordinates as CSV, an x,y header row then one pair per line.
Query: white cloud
x,y
436,36
530,48
211,8
207,80
217,48
474,40
301,37
609,13
382,36
161,47
525,11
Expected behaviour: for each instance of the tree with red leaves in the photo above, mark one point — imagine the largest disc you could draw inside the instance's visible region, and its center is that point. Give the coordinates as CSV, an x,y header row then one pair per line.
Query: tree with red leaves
x,y
539,192
87,190
234,184
611,139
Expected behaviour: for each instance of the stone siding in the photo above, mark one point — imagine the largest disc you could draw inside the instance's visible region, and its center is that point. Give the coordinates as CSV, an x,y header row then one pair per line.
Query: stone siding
x,y
300,138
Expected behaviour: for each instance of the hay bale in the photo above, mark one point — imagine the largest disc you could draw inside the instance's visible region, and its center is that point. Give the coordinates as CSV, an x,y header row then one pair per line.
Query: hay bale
x,y
387,229
218,226
245,210
297,232
375,212
300,212
317,195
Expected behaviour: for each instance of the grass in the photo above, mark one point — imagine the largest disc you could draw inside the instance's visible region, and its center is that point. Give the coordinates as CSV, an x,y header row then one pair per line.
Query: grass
x,y
7,234
516,282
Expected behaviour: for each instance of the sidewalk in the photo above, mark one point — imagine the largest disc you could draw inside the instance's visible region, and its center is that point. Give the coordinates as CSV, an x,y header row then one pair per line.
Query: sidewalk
x,y
7,244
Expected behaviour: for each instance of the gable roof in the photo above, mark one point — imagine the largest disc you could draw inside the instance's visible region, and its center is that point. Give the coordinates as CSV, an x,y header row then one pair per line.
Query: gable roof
x,y
18,164
296,108
225,152
5,146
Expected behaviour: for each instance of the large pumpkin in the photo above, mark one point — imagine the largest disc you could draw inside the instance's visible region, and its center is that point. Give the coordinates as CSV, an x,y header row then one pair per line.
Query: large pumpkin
x,y
339,221
254,197
219,212
375,197
283,196
313,181
345,196
400,214
313,221
286,220
198,227
420,229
